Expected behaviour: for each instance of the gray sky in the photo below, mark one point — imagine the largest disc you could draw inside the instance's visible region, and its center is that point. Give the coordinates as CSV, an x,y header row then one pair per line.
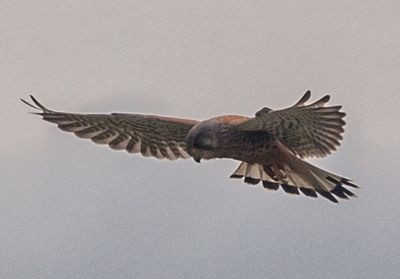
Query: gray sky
x,y
72,209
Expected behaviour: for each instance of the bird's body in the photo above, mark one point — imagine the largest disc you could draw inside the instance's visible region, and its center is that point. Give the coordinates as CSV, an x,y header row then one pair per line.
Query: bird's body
x,y
224,140
270,145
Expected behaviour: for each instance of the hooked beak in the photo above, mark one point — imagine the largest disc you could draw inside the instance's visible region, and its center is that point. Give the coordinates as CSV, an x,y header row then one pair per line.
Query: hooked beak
x,y
197,158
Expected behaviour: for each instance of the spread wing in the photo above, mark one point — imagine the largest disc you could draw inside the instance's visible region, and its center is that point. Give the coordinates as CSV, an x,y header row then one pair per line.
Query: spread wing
x,y
157,136
312,130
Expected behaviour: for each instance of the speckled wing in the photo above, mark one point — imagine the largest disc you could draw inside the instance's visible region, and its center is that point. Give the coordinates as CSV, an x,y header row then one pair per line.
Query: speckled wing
x,y
312,130
156,136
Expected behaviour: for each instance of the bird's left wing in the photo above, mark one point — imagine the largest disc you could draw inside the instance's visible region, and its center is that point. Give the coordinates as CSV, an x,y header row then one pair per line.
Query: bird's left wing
x,y
151,135
307,130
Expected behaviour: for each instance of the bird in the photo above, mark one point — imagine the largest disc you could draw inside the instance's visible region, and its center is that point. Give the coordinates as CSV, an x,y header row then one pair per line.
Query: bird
x,y
271,146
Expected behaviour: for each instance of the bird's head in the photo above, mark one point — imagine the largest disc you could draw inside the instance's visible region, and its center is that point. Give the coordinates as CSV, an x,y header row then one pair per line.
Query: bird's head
x,y
201,140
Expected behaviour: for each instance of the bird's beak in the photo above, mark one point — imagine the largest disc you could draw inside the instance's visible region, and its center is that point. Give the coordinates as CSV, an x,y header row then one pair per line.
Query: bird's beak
x,y
197,158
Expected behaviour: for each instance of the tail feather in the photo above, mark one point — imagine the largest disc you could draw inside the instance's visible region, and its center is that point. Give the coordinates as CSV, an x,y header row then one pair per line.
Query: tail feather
x,y
298,175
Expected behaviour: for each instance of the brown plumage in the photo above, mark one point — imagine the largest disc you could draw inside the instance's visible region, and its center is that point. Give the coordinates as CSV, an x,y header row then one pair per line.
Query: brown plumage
x,y
270,145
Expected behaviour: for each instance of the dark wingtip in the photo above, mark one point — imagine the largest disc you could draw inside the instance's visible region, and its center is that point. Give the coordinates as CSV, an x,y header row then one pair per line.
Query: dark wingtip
x,y
321,102
251,180
328,196
348,182
38,106
270,185
338,191
342,192
290,189
307,95
325,99
309,192
28,104
344,181
303,99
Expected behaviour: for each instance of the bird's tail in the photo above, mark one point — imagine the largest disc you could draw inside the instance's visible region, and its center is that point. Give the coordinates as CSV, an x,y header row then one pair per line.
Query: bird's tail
x,y
296,175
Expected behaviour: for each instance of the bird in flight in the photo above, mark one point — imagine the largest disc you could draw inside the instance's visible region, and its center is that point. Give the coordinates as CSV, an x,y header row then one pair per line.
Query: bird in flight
x,y
270,146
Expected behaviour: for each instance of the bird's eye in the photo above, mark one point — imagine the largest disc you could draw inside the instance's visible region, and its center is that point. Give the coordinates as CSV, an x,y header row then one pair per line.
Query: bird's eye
x,y
204,142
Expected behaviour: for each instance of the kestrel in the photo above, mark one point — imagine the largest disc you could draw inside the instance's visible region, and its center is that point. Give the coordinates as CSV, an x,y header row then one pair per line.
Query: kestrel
x,y
270,146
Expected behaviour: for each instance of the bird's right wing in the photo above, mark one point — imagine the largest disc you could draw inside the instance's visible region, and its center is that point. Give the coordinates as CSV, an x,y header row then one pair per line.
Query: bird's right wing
x,y
307,130
151,135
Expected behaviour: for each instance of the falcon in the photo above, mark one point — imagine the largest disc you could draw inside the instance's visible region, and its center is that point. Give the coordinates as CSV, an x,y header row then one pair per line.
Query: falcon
x,y
270,146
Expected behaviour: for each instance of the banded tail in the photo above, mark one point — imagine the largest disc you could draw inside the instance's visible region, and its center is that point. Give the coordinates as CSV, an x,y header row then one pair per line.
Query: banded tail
x,y
297,175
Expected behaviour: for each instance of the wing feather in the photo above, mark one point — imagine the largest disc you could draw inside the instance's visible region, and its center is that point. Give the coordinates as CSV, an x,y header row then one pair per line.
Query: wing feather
x,y
312,130
151,135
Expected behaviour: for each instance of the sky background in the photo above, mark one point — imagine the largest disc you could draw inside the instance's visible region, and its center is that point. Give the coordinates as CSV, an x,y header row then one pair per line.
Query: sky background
x,y
72,209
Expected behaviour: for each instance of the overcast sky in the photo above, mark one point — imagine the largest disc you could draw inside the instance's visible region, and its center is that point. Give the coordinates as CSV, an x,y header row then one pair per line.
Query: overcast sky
x,y
72,209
